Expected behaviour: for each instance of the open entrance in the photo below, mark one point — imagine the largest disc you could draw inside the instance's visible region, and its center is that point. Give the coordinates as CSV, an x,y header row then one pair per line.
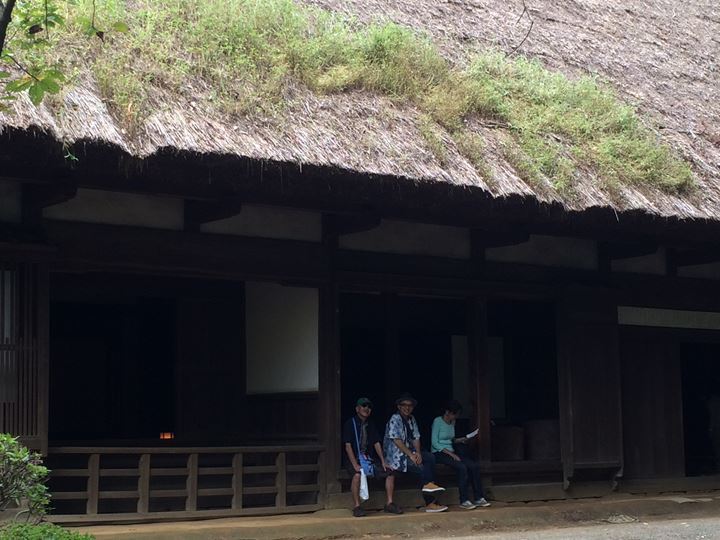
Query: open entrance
x,y
392,344
182,395
523,383
701,407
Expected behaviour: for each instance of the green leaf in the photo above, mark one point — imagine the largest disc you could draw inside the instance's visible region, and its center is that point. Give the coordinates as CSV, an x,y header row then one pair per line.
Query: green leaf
x,y
49,85
19,85
120,27
36,93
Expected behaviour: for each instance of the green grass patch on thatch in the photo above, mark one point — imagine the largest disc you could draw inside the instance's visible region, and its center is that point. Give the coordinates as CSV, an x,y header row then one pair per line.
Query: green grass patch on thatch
x,y
245,55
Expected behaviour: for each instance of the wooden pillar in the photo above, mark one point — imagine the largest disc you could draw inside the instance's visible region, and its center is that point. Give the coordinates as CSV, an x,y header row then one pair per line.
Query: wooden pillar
x,y
329,364
477,356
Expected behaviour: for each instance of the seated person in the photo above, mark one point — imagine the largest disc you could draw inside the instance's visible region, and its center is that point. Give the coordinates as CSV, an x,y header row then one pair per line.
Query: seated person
x,y
467,470
360,438
404,454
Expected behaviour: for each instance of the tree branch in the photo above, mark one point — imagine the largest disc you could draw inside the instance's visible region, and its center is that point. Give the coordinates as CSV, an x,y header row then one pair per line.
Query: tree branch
x,y
532,22
5,19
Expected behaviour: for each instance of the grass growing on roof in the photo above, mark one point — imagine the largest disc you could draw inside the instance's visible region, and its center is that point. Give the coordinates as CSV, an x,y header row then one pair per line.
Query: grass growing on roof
x,y
244,56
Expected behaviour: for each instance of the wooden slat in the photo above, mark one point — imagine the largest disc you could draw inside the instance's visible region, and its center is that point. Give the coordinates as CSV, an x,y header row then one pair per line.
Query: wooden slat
x,y
67,473
169,471
93,483
281,481
237,481
168,493
118,472
143,504
130,450
210,492
215,471
192,483
260,490
120,494
260,469
71,495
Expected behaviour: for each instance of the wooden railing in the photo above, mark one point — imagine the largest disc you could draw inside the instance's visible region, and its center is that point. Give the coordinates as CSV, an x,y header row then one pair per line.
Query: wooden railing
x,y
142,484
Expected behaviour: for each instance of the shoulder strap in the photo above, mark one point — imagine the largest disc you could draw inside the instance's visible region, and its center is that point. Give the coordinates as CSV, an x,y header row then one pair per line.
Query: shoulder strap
x,y
357,441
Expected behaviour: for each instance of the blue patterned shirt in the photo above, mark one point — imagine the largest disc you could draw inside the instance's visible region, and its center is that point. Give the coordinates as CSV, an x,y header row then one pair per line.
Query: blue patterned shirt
x,y
396,429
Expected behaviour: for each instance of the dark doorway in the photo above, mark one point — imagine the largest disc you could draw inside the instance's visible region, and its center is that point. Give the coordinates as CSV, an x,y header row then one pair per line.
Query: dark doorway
x,y
701,407
392,344
523,381
134,357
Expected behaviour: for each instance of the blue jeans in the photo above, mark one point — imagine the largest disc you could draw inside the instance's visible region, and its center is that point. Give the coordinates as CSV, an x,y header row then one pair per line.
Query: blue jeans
x,y
426,472
468,472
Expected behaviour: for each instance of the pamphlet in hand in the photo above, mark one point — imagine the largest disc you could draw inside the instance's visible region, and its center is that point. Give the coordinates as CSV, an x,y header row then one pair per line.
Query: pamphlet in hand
x,y
472,434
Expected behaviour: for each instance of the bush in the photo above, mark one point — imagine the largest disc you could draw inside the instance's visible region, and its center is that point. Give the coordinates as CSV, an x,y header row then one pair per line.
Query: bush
x,y
44,531
22,477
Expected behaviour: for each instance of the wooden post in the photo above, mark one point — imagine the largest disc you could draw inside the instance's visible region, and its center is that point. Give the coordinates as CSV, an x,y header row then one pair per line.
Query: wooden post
x,y
191,484
281,481
480,390
143,505
237,482
93,484
329,363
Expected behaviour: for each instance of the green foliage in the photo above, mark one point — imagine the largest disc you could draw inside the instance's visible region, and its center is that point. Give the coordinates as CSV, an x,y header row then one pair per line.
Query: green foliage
x,y
43,531
22,477
248,56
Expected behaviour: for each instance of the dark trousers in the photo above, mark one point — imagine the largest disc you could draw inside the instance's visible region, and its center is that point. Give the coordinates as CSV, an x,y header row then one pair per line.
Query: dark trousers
x,y
468,472
425,472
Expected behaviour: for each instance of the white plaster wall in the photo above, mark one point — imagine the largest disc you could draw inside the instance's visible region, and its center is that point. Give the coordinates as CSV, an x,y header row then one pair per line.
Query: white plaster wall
x,y
282,338
411,239
270,222
654,263
96,206
701,271
549,251
10,201
668,318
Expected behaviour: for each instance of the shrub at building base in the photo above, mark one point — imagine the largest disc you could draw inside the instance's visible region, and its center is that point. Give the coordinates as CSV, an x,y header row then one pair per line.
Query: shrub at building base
x,y
43,531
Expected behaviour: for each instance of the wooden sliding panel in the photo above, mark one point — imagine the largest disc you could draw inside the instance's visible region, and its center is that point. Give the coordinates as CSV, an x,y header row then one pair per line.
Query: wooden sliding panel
x,y
590,386
23,366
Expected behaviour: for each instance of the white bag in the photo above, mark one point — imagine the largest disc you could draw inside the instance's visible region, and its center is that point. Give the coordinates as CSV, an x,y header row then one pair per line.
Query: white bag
x,y
364,491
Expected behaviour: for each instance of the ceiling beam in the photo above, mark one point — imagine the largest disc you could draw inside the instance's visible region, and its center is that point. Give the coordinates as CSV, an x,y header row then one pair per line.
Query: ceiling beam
x,y
198,212
36,197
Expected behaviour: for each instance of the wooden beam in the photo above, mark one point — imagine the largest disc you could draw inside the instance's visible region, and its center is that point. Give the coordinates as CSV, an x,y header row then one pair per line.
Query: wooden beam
x,y
696,256
35,197
485,238
198,212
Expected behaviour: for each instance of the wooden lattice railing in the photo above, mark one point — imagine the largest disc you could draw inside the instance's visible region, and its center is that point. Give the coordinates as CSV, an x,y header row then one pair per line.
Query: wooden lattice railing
x,y
143,484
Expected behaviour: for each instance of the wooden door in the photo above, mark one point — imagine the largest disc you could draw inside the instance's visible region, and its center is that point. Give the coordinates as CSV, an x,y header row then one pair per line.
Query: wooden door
x,y
23,366
590,387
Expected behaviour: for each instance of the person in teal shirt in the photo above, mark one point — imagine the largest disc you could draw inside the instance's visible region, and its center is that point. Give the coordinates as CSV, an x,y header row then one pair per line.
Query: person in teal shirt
x,y
442,442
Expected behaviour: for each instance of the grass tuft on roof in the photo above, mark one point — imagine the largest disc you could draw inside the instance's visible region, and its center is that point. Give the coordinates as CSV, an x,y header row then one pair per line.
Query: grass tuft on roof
x,y
243,56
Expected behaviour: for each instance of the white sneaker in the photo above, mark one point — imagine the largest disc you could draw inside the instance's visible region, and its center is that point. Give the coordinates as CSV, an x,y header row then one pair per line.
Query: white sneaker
x,y
434,508
481,502
467,505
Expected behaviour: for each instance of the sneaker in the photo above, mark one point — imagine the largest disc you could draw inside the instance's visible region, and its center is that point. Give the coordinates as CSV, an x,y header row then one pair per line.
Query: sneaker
x,y
467,505
393,508
359,512
481,502
435,508
432,487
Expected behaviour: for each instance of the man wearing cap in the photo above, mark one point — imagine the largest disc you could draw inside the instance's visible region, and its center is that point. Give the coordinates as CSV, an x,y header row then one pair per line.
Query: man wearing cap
x,y
361,440
404,454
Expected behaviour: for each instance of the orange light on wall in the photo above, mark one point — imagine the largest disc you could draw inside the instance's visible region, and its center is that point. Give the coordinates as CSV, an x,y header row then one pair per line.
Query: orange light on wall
x,y
167,435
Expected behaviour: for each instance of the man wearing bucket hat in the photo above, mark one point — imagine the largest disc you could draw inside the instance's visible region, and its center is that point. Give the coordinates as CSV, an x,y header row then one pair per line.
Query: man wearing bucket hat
x,y
362,450
404,454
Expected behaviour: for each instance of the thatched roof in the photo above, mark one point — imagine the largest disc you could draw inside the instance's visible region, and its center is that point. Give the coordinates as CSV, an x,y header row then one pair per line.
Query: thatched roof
x,y
661,56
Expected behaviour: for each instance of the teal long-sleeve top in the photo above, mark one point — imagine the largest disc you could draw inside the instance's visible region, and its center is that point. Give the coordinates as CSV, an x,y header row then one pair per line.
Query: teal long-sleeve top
x,y
442,435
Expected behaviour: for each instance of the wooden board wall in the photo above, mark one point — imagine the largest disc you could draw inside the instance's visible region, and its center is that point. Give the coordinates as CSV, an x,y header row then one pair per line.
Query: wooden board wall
x,y
652,403
588,368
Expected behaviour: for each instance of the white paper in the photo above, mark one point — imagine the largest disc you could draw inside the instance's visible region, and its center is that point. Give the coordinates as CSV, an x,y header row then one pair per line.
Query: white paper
x,y
472,434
